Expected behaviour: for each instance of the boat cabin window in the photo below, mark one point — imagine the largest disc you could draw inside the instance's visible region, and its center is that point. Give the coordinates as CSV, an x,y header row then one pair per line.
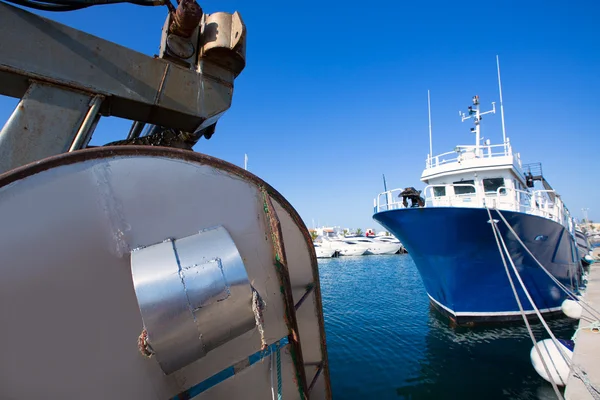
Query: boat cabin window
x,y
464,189
439,191
492,185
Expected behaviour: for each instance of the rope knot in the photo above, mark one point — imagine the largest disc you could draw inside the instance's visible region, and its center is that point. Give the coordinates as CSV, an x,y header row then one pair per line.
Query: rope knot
x,y
143,345
258,305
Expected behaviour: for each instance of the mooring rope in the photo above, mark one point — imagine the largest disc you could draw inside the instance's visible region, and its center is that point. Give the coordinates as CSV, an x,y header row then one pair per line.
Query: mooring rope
x,y
582,375
278,358
593,327
258,306
271,362
143,345
576,369
512,285
584,304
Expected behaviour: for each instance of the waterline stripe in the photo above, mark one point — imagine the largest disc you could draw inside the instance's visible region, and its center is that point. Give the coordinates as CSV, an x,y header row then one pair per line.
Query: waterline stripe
x,y
229,371
491,313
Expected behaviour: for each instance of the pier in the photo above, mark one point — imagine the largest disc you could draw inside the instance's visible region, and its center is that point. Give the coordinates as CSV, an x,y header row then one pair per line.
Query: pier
x,y
587,347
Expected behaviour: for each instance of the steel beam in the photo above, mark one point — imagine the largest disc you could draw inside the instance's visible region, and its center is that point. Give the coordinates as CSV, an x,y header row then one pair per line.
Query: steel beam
x,y
43,124
136,86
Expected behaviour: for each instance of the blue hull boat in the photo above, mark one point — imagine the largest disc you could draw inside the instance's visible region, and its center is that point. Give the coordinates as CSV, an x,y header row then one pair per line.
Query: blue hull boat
x,y
457,256
449,229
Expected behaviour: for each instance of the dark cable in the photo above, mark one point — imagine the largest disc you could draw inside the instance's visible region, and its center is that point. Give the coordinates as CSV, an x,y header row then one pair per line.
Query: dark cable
x,y
45,6
71,5
88,3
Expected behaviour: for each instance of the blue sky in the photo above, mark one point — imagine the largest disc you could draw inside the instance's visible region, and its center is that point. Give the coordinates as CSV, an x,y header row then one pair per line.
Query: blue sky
x,y
335,93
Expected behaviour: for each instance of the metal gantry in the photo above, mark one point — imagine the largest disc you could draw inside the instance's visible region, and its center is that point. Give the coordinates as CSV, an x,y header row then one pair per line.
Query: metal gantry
x,y
67,79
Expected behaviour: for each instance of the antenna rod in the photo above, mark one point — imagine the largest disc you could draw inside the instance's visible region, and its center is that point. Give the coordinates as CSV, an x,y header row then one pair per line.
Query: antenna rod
x,y
429,112
501,104
246,162
384,184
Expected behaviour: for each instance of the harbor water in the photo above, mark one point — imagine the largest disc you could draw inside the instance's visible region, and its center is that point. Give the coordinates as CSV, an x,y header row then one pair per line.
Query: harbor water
x,y
385,342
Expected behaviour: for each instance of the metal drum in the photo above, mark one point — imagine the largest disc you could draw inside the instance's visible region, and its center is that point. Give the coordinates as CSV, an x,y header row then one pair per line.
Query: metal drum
x,y
145,272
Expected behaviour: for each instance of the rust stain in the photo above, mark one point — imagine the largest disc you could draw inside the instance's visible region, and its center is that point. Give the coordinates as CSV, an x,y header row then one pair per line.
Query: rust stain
x,y
186,18
284,279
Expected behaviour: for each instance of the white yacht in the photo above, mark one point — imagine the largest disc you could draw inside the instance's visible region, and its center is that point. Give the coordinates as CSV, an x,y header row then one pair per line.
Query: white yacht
x,y
372,246
343,248
386,237
390,239
323,252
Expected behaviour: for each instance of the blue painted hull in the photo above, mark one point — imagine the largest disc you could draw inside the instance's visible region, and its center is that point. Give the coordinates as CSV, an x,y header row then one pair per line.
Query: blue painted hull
x,y
457,257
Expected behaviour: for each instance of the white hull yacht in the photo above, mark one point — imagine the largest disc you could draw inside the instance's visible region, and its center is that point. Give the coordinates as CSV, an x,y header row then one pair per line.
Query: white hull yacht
x,y
343,248
323,252
390,239
372,246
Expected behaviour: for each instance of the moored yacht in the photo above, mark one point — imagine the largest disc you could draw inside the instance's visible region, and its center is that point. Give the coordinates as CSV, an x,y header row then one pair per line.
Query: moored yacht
x,y
373,246
449,234
584,248
343,248
323,252
390,239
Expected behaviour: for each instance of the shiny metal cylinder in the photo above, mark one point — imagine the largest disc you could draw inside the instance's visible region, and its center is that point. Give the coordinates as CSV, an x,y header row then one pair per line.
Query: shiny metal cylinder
x,y
85,131
194,295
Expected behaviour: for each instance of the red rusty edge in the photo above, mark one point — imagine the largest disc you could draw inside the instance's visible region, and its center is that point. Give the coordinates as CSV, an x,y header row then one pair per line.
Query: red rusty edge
x,y
284,279
187,155
317,289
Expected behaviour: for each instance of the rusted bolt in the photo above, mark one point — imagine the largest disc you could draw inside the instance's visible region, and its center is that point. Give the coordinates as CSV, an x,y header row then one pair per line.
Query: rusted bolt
x,y
186,18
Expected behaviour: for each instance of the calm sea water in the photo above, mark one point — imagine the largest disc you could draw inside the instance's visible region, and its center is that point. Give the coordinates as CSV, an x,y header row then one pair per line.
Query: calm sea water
x,y
384,341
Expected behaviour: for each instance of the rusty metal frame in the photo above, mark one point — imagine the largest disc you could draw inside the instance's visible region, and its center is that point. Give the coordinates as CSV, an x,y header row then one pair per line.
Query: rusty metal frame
x,y
136,86
284,279
59,114
202,159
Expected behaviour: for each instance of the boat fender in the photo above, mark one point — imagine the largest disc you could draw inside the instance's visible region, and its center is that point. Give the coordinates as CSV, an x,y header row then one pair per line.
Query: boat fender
x,y
559,370
571,309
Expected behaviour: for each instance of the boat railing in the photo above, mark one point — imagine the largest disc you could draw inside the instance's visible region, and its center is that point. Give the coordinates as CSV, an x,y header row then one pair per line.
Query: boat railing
x,y
465,152
506,198
451,198
536,202
389,200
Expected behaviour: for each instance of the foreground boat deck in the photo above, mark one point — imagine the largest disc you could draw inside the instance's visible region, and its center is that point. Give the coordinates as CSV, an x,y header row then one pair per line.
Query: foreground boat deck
x,y
587,347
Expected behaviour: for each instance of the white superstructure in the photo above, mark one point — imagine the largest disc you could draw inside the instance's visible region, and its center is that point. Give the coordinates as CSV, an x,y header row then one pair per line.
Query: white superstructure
x,y
483,175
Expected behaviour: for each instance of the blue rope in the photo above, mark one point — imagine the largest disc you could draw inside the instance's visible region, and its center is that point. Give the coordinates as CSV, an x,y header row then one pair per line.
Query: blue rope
x,y
230,371
278,358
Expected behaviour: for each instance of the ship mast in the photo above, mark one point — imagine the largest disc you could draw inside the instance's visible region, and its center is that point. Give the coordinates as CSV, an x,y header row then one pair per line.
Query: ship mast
x,y
476,114
501,106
